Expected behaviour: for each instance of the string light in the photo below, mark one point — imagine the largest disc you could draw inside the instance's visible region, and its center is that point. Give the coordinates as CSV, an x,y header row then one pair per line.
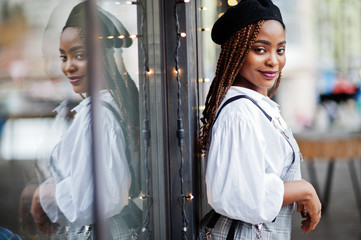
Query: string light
x,y
232,2
205,29
180,127
189,196
117,3
132,2
146,186
203,80
202,108
121,36
183,34
203,8
149,72
183,1
144,197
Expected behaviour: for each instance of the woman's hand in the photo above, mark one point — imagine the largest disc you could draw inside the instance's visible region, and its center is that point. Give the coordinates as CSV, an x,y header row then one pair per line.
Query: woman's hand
x,y
39,216
310,209
308,203
24,207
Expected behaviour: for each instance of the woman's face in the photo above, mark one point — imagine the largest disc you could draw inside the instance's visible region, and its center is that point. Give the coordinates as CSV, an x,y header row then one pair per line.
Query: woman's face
x,y
265,59
74,59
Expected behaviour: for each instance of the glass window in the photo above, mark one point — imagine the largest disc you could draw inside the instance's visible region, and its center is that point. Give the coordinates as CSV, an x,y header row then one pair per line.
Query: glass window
x,y
76,117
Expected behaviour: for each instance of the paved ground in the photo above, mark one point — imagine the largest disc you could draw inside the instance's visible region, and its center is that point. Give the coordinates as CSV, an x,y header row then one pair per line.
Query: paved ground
x,y
342,220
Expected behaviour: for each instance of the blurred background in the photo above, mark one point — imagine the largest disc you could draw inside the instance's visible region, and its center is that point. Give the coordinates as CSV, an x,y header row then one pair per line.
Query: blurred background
x,y
319,95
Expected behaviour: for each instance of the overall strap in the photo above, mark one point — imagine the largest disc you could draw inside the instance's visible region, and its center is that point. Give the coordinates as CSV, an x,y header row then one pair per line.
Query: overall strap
x,y
232,99
239,97
213,221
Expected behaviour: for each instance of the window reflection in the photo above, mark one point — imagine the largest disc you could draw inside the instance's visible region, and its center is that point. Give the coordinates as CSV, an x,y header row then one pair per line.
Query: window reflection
x,y
47,118
62,206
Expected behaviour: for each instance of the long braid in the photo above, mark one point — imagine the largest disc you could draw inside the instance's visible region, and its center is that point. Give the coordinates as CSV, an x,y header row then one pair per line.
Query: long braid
x,y
230,61
125,94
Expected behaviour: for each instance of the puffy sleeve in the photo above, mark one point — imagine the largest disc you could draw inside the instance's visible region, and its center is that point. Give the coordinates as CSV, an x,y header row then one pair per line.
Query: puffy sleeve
x,y
48,202
238,185
115,171
74,193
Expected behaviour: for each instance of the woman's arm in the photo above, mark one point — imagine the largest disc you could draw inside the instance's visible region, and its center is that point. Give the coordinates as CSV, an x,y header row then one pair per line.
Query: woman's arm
x,y
237,184
308,203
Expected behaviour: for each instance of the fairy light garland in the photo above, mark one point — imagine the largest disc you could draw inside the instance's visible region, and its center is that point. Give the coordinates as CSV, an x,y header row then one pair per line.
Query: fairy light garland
x,y
180,125
146,233
146,128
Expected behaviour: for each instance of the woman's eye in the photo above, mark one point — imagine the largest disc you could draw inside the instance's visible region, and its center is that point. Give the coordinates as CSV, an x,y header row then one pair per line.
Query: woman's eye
x,y
63,58
80,56
259,50
281,51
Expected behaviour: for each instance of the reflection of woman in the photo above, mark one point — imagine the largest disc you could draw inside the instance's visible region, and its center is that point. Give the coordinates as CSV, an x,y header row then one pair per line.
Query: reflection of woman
x,y
67,197
61,122
253,162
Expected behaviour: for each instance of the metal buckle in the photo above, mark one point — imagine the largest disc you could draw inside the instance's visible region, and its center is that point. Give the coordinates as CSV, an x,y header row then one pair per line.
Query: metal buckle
x,y
87,232
133,233
208,233
259,231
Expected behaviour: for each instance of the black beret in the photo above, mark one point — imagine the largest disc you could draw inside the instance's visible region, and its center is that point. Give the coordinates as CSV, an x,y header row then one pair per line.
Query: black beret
x,y
244,13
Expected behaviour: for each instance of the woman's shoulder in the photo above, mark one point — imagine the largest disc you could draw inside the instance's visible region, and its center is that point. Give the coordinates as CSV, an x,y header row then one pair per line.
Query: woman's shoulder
x,y
107,110
245,109
242,107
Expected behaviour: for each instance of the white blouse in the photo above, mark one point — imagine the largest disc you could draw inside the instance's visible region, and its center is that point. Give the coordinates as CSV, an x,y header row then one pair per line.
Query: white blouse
x,y
69,192
247,158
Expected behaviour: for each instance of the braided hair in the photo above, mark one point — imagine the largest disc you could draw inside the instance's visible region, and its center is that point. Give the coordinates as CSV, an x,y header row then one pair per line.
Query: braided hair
x,y
233,54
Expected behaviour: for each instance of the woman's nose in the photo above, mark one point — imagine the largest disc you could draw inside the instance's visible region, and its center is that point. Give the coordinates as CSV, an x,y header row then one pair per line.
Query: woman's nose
x,y
272,60
70,66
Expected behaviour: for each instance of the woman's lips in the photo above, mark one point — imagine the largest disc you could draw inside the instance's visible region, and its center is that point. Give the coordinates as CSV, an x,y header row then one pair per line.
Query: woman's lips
x,y
74,80
269,74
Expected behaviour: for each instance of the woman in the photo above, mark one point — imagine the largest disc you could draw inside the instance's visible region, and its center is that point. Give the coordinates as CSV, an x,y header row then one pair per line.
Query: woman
x,y
67,197
253,162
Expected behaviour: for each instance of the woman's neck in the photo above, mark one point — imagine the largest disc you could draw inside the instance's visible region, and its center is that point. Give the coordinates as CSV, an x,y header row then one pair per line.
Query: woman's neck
x,y
243,82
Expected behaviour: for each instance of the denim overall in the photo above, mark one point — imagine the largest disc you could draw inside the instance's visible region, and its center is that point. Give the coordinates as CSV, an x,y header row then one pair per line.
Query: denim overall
x,y
280,228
